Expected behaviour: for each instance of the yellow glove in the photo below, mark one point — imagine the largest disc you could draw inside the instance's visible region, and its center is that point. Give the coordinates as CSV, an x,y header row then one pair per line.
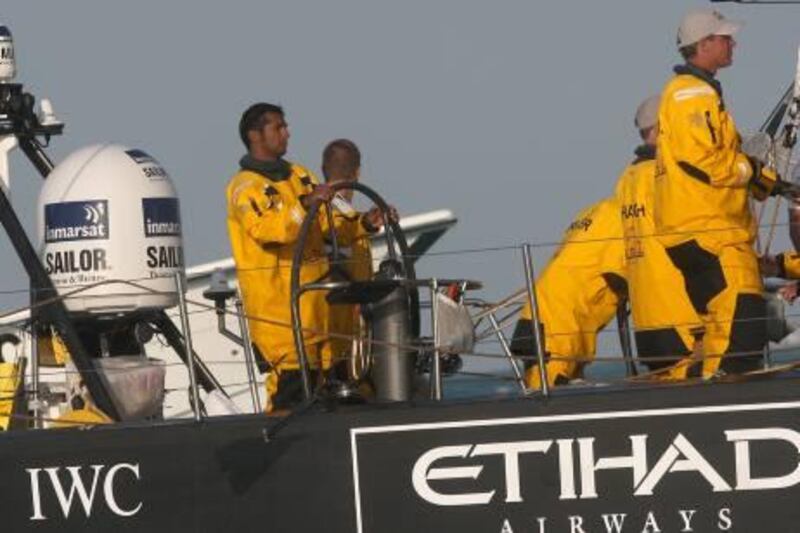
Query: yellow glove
x,y
788,265
764,180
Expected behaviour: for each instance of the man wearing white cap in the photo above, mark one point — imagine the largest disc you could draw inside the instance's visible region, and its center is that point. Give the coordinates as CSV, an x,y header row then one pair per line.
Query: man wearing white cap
x,y
663,332
702,213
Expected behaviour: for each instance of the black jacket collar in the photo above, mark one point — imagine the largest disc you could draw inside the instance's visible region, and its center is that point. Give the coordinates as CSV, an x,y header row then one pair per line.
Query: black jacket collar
x,y
702,74
278,170
644,152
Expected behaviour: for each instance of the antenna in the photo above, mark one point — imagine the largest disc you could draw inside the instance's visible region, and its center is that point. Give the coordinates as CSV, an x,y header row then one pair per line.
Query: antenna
x,y
21,126
8,67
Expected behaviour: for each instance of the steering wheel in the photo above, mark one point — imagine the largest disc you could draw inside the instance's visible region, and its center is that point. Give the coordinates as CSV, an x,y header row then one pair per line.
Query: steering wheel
x,y
350,291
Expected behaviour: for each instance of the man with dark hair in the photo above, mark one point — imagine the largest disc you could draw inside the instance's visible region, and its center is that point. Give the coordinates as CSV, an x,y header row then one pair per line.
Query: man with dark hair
x,y
703,216
255,117
267,203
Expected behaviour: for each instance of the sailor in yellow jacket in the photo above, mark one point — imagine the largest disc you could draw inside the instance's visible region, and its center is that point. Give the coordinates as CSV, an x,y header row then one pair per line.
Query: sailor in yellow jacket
x,y
665,322
577,293
703,217
341,162
267,202
787,264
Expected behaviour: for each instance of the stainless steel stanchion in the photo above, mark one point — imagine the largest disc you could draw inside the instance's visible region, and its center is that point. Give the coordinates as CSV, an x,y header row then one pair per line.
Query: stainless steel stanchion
x,y
187,341
436,363
533,302
36,398
248,354
507,350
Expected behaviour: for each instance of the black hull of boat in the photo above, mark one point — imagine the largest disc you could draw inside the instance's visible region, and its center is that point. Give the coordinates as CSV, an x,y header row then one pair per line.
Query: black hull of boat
x,y
723,457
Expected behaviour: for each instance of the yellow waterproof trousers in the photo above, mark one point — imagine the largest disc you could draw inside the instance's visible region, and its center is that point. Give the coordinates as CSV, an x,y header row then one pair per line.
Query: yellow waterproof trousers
x,y
726,291
9,390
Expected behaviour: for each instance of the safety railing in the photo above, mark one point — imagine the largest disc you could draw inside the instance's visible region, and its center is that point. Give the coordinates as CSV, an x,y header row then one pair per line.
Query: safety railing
x,y
492,320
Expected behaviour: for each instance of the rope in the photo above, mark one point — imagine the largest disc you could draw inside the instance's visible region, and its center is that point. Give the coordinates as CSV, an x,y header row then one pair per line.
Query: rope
x,y
203,308
208,308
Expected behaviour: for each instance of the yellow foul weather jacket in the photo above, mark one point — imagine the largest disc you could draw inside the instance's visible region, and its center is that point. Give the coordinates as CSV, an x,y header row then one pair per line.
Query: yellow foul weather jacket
x,y
574,291
10,380
702,175
663,316
704,220
264,218
345,319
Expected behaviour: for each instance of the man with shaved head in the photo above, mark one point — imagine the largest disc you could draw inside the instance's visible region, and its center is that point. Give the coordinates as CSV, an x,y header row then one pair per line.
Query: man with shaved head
x,y
341,163
666,325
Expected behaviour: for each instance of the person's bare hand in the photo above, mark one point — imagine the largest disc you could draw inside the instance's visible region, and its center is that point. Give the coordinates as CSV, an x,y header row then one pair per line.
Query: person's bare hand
x,y
373,219
789,292
322,192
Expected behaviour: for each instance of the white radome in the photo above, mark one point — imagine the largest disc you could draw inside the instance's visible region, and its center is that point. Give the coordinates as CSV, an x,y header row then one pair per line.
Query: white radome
x,y
108,219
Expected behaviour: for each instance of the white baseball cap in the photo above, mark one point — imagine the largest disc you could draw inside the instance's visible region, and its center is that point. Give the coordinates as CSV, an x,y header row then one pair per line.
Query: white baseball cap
x,y
698,24
647,113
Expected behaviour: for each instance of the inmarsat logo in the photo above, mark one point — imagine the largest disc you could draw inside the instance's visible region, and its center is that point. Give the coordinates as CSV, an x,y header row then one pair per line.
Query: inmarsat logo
x,y
76,221
161,217
94,214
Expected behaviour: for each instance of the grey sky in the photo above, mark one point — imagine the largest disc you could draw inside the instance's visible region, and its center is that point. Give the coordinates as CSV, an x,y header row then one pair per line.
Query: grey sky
x,y
514,114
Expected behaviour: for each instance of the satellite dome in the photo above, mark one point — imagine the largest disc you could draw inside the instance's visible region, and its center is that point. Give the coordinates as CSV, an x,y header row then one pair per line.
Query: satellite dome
x,y
109,215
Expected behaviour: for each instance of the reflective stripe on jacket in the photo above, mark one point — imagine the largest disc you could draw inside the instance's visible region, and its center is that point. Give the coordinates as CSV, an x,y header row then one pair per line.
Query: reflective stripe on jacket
x,y
702,176
264,220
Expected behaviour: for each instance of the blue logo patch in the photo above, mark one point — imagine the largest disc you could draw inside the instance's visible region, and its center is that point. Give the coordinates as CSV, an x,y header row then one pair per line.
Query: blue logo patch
x,y
76,221
150,167
161,217
141,157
